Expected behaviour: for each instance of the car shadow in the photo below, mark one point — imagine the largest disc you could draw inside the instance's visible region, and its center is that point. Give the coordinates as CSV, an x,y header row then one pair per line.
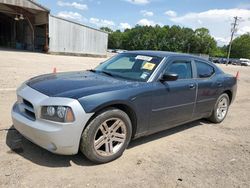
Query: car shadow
x,y
23,147
165,133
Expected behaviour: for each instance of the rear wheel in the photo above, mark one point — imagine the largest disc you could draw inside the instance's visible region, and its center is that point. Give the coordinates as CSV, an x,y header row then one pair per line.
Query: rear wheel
x,y
107,136
220,109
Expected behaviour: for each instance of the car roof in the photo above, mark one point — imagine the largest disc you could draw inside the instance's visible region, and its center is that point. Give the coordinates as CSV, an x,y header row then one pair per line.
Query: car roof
x,y
163,54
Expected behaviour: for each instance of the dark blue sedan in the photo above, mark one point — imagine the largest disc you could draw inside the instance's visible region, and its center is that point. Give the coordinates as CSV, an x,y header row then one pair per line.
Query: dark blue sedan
x,y
128,96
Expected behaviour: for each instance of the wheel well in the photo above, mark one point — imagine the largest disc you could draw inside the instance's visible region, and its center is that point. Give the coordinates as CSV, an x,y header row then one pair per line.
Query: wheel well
x,y
124,108
130,113
229,93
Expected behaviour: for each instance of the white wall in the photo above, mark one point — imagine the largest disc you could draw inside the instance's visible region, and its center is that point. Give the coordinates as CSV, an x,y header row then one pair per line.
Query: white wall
x,y
69,37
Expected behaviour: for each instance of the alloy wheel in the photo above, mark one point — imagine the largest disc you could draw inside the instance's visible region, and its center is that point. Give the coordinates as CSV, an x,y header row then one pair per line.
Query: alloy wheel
x,y
110,137
222,108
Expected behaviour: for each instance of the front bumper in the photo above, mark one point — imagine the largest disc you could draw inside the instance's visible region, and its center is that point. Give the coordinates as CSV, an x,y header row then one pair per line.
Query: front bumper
x,y
60,138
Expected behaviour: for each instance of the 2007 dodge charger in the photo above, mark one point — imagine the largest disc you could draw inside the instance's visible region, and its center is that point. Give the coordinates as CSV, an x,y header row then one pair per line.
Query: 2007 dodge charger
x,y
128,96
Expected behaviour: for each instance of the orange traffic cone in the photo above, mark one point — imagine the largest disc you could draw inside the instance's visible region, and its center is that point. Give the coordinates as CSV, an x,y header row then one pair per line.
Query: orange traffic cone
x,y
237,75
54,70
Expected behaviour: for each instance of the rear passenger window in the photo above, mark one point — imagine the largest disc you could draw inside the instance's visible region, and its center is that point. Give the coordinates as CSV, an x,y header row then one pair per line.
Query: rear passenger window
x,y
182,68
204,70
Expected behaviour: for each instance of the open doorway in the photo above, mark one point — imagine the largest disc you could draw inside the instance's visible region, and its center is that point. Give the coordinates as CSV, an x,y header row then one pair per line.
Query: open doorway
x,y
6,31
23,27
15,33
40,37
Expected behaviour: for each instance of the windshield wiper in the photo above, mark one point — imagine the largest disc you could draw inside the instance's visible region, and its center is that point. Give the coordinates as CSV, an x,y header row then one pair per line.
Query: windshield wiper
x,y
107,73
100,71
92,70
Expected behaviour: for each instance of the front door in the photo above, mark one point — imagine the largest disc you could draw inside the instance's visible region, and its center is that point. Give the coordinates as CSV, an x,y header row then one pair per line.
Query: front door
x,y
173,101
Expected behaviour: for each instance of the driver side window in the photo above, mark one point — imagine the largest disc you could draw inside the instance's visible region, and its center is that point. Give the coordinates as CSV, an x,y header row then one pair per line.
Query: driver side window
x,y
182,68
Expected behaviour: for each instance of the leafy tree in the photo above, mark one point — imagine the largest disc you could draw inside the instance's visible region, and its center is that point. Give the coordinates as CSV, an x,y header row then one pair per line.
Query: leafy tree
x,y
115,40
220,51
205,43
241,47
106,29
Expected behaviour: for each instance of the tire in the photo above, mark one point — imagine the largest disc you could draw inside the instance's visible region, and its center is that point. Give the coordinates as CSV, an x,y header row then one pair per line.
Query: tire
x,y
220,111
106,136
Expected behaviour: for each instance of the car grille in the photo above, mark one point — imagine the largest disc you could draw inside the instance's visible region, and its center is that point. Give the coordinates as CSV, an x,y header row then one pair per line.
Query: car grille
x,y
26,108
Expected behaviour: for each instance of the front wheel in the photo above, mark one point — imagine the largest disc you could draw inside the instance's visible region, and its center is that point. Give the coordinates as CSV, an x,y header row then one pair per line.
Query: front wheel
x,y
106,136
220,109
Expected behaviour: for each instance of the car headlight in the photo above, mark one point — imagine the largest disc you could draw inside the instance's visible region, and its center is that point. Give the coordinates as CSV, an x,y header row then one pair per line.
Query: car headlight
x,y
62,114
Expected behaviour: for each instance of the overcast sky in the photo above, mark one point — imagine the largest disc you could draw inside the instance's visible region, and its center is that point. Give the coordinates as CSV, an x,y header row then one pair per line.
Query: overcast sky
x,y
216,15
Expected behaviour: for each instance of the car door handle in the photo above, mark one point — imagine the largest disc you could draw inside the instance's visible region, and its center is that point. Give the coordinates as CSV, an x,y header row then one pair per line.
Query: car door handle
x,y
191,86
219,84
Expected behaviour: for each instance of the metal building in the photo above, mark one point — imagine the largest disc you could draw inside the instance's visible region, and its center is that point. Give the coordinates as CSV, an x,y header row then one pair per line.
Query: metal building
x,y
69,37
27,25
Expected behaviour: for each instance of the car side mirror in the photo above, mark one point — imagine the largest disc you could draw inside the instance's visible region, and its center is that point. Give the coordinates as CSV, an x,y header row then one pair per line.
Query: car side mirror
x,y
169,77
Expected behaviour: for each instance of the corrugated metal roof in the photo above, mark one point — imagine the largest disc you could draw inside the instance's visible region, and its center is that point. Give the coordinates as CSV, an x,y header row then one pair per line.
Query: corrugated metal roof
x,y
38,4
30,4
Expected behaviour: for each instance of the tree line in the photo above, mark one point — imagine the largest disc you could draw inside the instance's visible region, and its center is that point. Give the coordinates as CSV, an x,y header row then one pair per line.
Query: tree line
x,y
172,38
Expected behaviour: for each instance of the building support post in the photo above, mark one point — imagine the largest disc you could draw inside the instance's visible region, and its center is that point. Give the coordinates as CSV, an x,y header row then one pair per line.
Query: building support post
x,y
33,33
46,46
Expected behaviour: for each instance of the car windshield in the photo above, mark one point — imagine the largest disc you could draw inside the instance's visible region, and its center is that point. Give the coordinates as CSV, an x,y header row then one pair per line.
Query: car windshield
x,y
130,66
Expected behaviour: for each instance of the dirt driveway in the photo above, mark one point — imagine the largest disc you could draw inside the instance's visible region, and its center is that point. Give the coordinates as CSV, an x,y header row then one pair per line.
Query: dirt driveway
x,y
197,154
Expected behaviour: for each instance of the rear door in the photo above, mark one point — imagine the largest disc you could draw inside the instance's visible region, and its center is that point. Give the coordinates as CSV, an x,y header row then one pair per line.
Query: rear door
x,y
173,101
208,87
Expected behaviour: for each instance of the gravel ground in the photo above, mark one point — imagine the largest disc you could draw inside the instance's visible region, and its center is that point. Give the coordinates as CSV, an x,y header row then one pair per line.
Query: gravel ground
x,y
198,154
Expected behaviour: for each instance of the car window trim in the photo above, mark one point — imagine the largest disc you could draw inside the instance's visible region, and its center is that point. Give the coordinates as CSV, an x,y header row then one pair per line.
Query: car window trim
x,y
197,77
178,59
192,74
156,71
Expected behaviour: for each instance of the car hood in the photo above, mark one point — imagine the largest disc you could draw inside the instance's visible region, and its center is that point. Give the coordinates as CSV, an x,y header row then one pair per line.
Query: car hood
x,y
77,84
